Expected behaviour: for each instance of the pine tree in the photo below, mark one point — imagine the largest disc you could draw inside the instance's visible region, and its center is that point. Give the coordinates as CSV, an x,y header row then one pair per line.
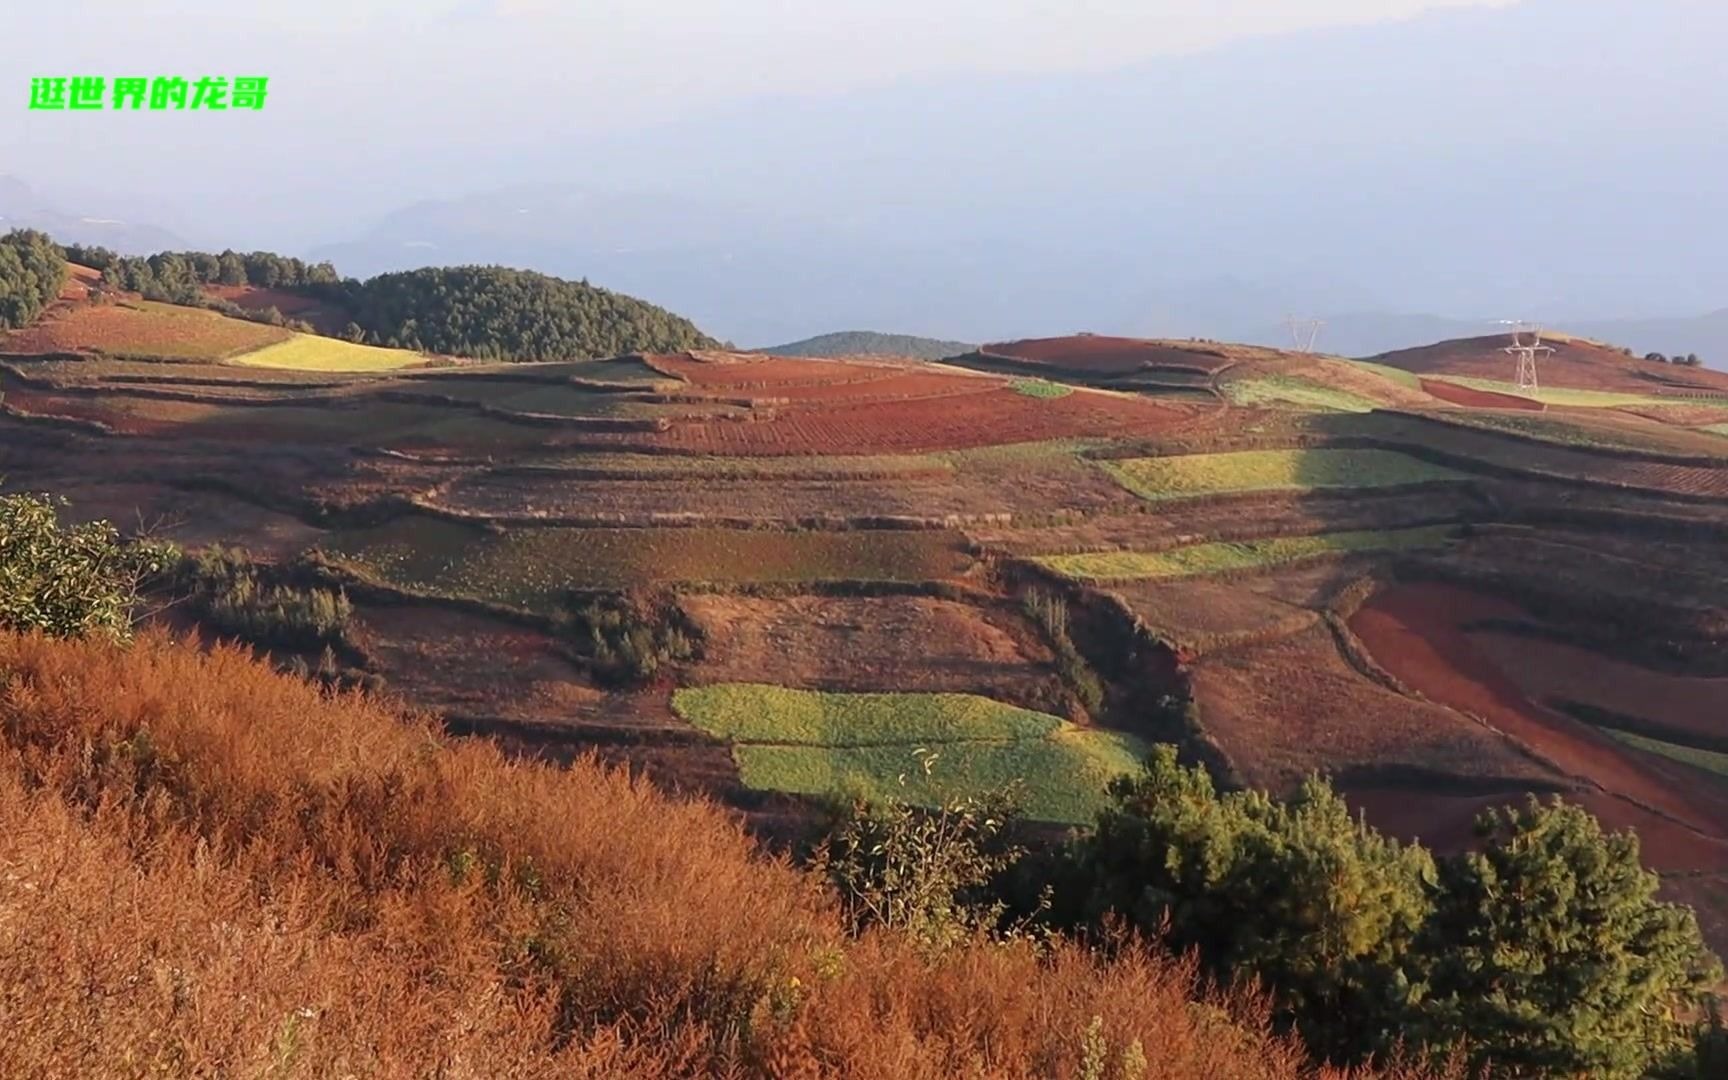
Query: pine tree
x,y
1551,955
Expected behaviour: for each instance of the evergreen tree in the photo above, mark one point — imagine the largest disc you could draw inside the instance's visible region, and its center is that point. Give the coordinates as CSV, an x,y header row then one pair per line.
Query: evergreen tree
x,y
1300,894
32,271
1549,951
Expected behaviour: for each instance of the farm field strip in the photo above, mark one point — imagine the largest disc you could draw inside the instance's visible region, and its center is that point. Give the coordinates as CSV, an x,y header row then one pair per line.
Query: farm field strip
x,y
1708,760
1559,395
309,352
1294,391
143,328
816,743
532,567
1227,557
1271,470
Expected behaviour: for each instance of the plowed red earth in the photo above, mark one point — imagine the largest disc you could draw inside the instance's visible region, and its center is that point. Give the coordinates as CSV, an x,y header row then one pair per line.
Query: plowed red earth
x,y
946,423
1578,365
1479,399
766,372
1550,670
1551,460
1107,355
1416,633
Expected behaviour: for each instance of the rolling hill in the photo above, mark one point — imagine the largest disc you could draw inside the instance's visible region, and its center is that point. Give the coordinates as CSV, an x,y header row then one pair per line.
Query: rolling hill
x,y
870,343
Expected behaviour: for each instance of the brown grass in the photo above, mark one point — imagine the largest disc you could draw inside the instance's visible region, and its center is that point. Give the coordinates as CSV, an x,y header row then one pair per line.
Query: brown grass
x,y
208,869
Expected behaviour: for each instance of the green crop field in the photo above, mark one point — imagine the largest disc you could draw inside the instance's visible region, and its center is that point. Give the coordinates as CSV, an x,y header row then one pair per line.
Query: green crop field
x,y
1041,388
1559,395
1708,760
814,743
1271,470
1218,558
1289,390
309,352
1715,429
532,567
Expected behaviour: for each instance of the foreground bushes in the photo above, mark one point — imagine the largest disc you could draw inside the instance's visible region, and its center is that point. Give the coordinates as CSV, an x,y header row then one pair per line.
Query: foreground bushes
x,y
213,869
1546,952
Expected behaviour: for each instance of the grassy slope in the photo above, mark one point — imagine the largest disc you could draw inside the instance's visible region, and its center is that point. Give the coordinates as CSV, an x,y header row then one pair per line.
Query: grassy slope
x,y
309,352
1220,558
1291,391
1604,399
1270,470
250,877
815,743
1708,760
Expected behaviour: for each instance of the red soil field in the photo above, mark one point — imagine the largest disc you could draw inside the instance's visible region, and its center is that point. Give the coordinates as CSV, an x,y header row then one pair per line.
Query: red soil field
x,y
1578,365
327,319
1446,823
951,423
79,282
1479,399
1107,355
1552,670
743,372
1294,706
185,333
1553,460
1415,632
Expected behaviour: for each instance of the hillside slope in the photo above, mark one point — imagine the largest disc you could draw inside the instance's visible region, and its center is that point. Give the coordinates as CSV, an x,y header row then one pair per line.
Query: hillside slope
x,y
1576,363
251,876
870,343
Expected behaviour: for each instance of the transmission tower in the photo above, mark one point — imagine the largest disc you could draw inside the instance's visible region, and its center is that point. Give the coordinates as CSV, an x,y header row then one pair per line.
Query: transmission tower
x,y
1304,333
1526,347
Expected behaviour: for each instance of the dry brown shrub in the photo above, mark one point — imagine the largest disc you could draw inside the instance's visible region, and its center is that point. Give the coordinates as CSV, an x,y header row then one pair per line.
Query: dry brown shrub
x,y
208,869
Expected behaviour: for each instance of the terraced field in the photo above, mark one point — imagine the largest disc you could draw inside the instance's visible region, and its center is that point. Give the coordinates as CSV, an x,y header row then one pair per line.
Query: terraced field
x,y
1271,470
1291,391
533,567
812,743
310,352
1247,555
143,328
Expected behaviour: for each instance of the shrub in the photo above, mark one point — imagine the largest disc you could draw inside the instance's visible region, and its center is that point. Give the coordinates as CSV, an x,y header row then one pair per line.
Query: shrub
x,y
236,596
67,581
628,639
926,872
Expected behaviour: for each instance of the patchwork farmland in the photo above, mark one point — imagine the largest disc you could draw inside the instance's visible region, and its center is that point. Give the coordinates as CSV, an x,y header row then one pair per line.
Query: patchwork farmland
x,y
770,580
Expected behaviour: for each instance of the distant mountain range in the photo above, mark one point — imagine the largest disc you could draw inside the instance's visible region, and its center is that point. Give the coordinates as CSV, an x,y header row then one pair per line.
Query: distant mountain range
x,y
22,207
871,343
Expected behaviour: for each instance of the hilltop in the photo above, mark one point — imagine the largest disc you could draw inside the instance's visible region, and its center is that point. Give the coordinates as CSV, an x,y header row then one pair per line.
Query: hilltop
x,y
472,312
1576,364
870,343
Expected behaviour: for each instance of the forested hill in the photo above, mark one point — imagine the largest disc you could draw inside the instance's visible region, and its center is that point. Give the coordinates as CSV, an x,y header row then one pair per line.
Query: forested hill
x,y
32,269
870,343
496,313
488,312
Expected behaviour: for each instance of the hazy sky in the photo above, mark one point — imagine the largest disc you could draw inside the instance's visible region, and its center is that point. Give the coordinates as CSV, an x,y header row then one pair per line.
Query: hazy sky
x,y
656,55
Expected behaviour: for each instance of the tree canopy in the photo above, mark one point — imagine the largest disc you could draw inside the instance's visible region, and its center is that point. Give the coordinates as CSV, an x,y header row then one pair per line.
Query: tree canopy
x,y
495,313
32,270
1545,953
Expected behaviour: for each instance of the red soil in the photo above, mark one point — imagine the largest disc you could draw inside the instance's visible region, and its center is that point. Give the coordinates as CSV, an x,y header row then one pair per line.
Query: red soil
x,y
991,418
1415,632
741,372
324,317
1479,399
1551,670
1578,365
79,283
1108,355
